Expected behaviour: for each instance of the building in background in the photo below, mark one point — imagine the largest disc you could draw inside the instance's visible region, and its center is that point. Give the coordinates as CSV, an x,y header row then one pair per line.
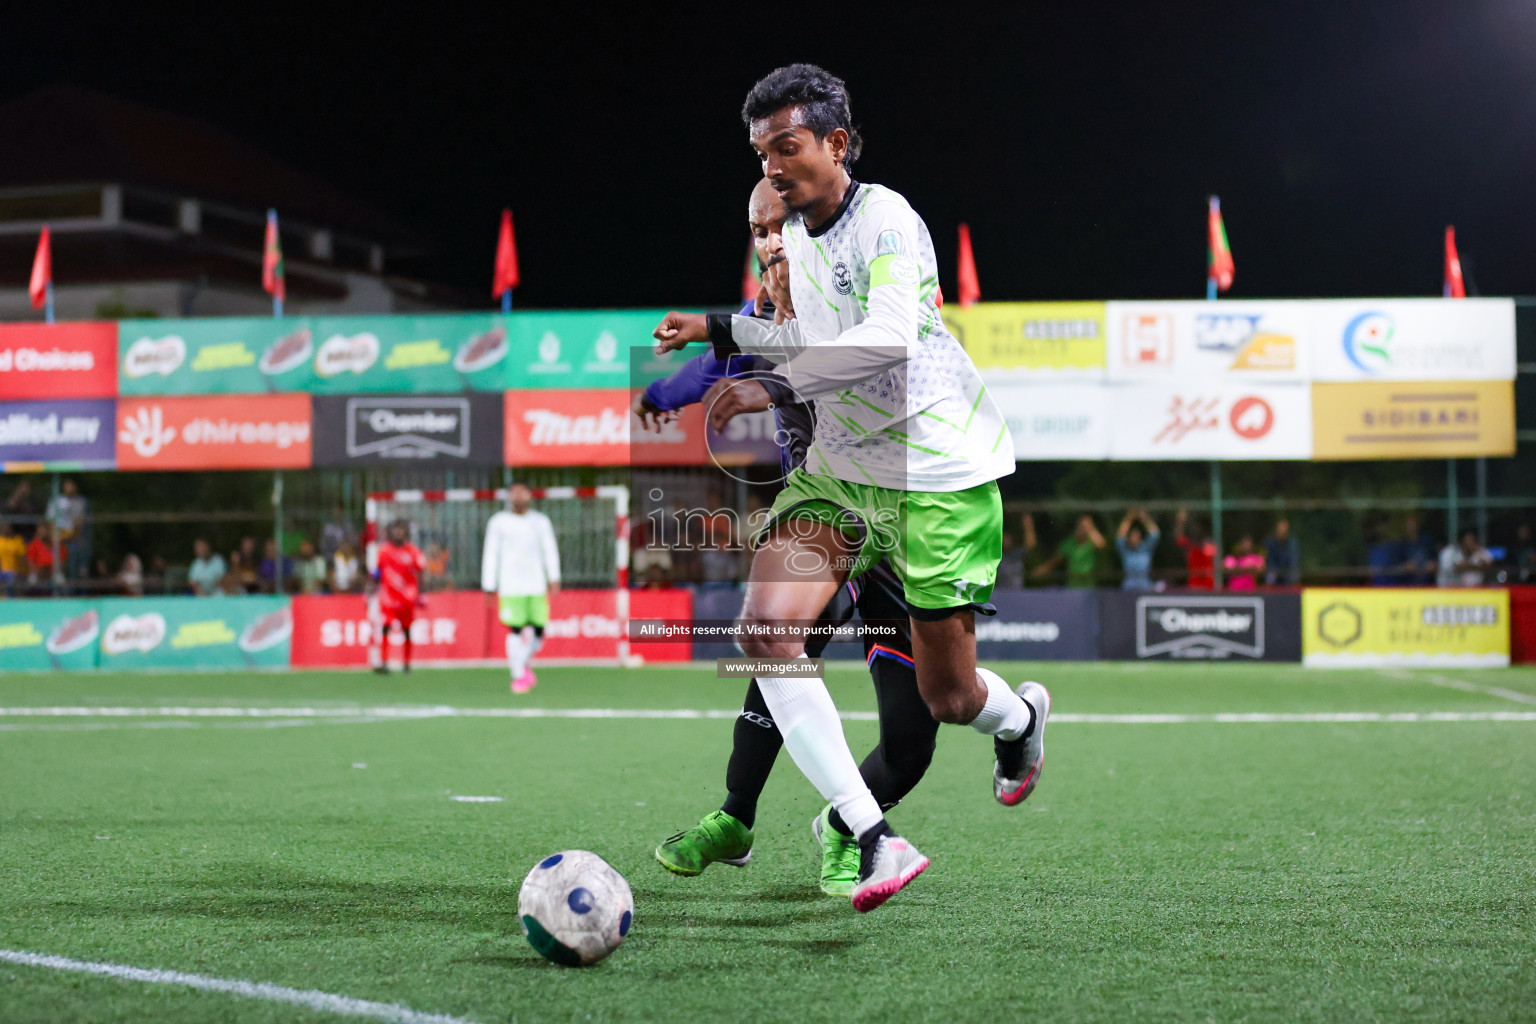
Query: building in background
x,y
156,214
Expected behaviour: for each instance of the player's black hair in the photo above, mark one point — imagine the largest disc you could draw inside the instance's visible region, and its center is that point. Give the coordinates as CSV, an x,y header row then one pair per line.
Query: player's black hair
x,y
818,92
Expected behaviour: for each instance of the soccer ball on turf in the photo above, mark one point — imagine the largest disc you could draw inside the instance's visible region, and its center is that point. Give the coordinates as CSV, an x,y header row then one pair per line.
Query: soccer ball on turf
x,y
575,908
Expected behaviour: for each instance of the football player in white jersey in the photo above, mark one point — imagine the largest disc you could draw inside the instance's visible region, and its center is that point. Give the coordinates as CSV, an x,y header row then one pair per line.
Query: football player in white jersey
x,y
907,452
521,566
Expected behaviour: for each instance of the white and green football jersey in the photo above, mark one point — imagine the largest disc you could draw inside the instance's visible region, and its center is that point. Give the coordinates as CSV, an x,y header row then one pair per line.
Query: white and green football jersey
x,y
898,401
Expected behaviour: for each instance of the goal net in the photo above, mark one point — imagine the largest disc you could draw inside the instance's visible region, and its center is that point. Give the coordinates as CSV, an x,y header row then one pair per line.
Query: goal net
x,y
591,530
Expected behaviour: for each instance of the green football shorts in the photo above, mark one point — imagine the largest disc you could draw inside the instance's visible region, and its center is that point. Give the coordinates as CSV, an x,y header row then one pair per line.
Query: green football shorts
x,y
520,611
945,545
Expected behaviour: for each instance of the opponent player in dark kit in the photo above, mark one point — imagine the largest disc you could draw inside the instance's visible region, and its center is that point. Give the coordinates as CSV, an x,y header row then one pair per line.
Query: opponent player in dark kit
x,y
907,730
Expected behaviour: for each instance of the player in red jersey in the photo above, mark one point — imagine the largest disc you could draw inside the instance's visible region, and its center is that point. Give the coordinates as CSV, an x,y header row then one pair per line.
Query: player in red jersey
x,y
398,593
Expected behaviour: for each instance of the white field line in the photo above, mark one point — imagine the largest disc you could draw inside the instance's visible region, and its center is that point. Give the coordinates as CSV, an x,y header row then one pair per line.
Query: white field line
x,y
413,712
178,723
1451,683
393,1013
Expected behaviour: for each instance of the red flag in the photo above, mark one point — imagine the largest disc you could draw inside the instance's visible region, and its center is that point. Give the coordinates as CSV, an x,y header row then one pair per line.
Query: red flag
x,y
1455,287
970,285
749,280
1219,264
42,270
505,279
273,276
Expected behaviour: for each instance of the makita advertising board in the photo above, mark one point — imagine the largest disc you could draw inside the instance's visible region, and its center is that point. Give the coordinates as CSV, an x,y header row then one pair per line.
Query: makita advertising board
x,y
1182,626
461,429
595,428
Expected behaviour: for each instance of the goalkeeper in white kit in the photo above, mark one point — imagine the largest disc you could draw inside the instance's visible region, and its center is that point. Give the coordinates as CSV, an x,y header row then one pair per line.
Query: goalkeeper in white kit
x,y
521,567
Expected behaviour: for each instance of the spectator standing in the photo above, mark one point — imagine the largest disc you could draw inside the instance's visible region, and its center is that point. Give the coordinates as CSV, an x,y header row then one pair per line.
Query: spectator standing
x,y
248,562
21,506
1415,556
206,576
1136,540
1010,571
67,513
1079,553
435,573
335,533
1199,554
720,565
13,557
1464,564
1383,558
310,570
1031,547
234,577
266,571
1244,566
1282,556
1523,555
651,563
346,574
40,567
130,578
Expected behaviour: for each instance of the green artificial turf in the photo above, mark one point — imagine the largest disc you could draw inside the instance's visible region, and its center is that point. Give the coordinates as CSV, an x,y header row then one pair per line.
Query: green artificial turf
x,y
1205,871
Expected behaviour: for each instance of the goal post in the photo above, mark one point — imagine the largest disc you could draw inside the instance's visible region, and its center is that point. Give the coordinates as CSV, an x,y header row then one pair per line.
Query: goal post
x,y
591,530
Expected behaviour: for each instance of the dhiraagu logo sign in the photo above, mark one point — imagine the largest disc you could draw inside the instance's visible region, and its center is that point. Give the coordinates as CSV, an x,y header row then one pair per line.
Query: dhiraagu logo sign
x,y
1368,341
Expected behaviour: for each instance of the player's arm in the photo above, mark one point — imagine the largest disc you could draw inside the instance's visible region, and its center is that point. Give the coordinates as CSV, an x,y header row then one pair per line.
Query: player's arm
x,y
886,337
490,561
688,384
756,387
551,555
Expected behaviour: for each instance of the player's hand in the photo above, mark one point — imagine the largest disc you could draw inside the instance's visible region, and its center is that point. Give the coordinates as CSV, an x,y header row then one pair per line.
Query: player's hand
x,y
554,590
729,398
650,417
678,329
776,284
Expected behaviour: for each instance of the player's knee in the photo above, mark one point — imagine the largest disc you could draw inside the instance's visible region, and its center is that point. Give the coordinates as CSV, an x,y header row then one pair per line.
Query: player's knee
x,y
756,640
950,708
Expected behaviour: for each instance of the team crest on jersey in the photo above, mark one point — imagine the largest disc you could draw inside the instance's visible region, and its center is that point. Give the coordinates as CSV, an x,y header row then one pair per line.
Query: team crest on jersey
x,y
842,280
890,244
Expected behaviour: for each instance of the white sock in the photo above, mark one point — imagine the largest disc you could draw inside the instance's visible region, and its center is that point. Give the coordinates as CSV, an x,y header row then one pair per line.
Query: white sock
x,y
1005,715
813,734
534,642
517,654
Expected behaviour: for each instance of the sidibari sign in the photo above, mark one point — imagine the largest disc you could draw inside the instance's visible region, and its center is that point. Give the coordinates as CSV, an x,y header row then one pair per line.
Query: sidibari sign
x,y
1407,420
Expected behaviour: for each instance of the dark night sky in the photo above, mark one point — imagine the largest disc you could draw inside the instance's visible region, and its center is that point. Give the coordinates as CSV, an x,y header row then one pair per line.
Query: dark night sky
x,y
1078,139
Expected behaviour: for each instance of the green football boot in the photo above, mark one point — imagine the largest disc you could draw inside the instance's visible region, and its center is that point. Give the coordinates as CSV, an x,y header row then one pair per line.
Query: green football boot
x,y
717,837
839,855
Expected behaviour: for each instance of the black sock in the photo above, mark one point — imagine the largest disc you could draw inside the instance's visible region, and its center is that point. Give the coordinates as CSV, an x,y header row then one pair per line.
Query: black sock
x,y
838,824
867,843
755,745
741,807
1027,733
